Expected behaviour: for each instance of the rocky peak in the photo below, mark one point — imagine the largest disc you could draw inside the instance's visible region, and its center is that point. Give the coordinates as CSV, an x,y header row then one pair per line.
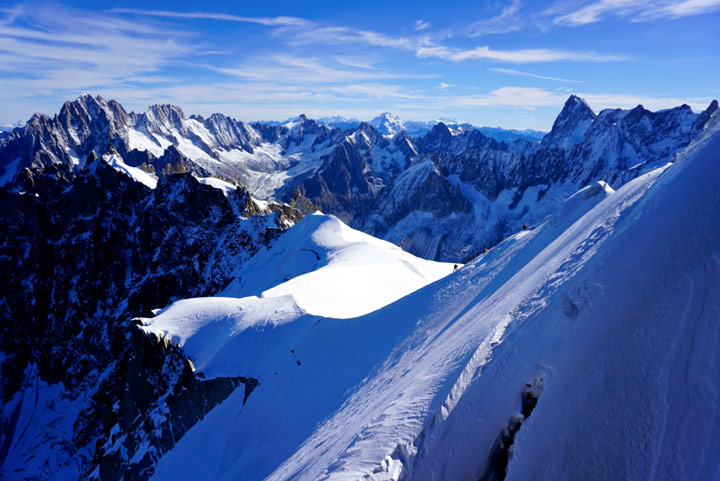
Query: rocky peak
x,y
373,135
439,135
166,112
571,124
163,118
575,111
703,118
87,107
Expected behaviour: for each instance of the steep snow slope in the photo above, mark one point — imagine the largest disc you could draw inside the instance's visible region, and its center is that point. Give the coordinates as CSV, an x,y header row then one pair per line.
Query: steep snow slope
x,y
626,351
608,306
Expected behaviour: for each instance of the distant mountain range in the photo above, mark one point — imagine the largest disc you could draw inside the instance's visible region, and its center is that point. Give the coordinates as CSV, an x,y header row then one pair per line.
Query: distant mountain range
x,y
442,195
389,124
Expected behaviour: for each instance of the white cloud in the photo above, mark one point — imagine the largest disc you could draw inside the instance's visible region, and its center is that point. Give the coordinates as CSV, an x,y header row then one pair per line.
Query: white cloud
x,y
509,71
443,85
357,62
297,32
583,13
526,97
532,55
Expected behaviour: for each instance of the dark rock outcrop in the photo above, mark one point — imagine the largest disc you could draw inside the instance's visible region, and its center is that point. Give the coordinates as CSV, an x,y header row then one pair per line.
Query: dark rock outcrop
x,y
84,252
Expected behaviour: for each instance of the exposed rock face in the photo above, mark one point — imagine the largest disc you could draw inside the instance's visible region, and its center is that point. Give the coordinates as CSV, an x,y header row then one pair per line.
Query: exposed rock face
x,y
83,252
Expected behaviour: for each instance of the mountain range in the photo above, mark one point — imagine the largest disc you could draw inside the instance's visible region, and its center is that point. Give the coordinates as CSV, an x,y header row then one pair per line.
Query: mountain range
x,y
444,195
388,124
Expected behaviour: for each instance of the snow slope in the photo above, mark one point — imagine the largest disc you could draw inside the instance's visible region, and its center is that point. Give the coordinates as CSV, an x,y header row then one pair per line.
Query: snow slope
x,y
139,175
318,267
609,308
626,349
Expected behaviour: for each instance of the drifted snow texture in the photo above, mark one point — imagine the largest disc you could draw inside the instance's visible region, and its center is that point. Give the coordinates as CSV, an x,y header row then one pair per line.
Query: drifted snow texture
x,y
612,304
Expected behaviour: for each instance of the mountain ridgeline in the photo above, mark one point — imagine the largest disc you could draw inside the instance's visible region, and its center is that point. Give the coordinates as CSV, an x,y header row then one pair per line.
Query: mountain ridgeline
x,y
442,195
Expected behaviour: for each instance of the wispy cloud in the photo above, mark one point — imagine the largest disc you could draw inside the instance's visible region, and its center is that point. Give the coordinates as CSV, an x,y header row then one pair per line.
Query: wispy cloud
x,y
587,12
357,62
443,85
340,35
317,70
510,71
506,21
268,21
531,55
297,32
49,48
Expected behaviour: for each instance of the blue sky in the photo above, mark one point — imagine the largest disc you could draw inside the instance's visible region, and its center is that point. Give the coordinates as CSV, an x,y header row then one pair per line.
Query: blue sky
x,y
510,64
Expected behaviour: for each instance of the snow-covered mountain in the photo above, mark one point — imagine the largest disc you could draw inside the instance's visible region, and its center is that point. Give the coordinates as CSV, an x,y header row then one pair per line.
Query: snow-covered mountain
x,y
590,337
508,135
161,317
389,124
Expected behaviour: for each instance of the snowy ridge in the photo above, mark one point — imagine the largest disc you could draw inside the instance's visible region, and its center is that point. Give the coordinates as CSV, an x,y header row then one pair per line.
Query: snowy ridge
x,y
116,162
319,267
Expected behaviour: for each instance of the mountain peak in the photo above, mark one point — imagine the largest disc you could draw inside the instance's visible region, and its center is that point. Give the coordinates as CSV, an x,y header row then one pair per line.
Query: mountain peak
x,y
387,115
572,122
577,104
387,124
85,102
713,106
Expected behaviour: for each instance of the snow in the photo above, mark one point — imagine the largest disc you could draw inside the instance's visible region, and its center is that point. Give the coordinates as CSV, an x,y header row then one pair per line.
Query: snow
x,y
220,184
10,171
139,175
268,167
332,270
31,450
626,348
140,141
610,302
